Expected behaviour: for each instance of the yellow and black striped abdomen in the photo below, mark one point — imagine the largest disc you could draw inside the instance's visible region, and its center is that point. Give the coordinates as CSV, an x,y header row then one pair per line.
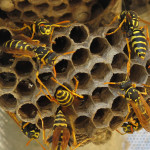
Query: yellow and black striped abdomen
x,y
64,98
17,44
139,43
60,120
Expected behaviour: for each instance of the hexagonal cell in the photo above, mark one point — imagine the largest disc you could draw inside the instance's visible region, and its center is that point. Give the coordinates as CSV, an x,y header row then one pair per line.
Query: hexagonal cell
x,y
23,68
97,72
63,67
79,34
73,2
29,14
114,39
60,7
8,101
119,104
15,14
118,77
44,104
119,61
116,122
99,46
80,56
46,80
47,121
133,54
66,16
83,79
148,66
25,87
82,122
5,35
102,94
27,111
23,4
42,7
101,116
62,44
138,73
7,79
3,14
6,59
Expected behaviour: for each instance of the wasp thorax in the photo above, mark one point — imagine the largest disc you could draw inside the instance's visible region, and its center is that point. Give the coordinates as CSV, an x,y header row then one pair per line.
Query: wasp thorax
x,y
125,85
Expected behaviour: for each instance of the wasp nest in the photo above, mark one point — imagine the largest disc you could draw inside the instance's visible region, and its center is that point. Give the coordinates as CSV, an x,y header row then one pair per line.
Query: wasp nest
x,y
97,59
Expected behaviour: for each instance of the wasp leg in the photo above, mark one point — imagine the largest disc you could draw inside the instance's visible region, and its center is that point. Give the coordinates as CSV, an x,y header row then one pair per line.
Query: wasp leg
x,y
144,93
114,19
117,28
129,110
23,28
77,83
120,132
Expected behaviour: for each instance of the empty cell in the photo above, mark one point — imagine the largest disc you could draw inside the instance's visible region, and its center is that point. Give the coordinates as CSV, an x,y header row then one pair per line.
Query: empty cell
x,y
148,66
23,4
62,44
115,38
60,7
119,61
119,104
102,94
6,59
101,115
83,79
138,73
7,79
42,7
79,34
47,121
80,56
62,66
27,111
44,103
66,16
99,71
50,19
5,35
30,14
73,2
15,14
23,68
116,122
25,87
8,101
3,14
99,46
82,122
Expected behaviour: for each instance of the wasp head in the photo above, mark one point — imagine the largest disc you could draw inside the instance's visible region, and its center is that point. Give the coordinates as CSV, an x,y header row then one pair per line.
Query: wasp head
x,y
125,85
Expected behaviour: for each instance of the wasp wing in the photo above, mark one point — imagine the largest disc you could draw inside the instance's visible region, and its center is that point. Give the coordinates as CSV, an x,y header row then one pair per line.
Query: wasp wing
x,y
66,137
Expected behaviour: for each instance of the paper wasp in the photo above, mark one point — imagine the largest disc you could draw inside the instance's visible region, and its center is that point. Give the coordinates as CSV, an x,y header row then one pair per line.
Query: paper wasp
x,y
129,24
61,134
136,101
29,129
42,27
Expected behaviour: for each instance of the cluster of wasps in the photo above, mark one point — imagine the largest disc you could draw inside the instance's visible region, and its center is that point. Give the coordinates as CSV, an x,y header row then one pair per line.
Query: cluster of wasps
x,y
138,116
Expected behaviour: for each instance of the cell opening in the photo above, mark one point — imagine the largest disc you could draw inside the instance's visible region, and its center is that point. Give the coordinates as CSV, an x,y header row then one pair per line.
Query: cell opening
x,y
5,35
15,14
23,4
7,79
99,46
113,39
23,67
42,7
78,34
119,104
66,16
74,2
49,19
101,116
116,122
138,73
48,122
102,94
148,66
119,61
3,14
60,7
83,79
44,103
6,59
118,77
27,111
62,44
82,122
80,56
99,71
25,87
30,14
8,101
